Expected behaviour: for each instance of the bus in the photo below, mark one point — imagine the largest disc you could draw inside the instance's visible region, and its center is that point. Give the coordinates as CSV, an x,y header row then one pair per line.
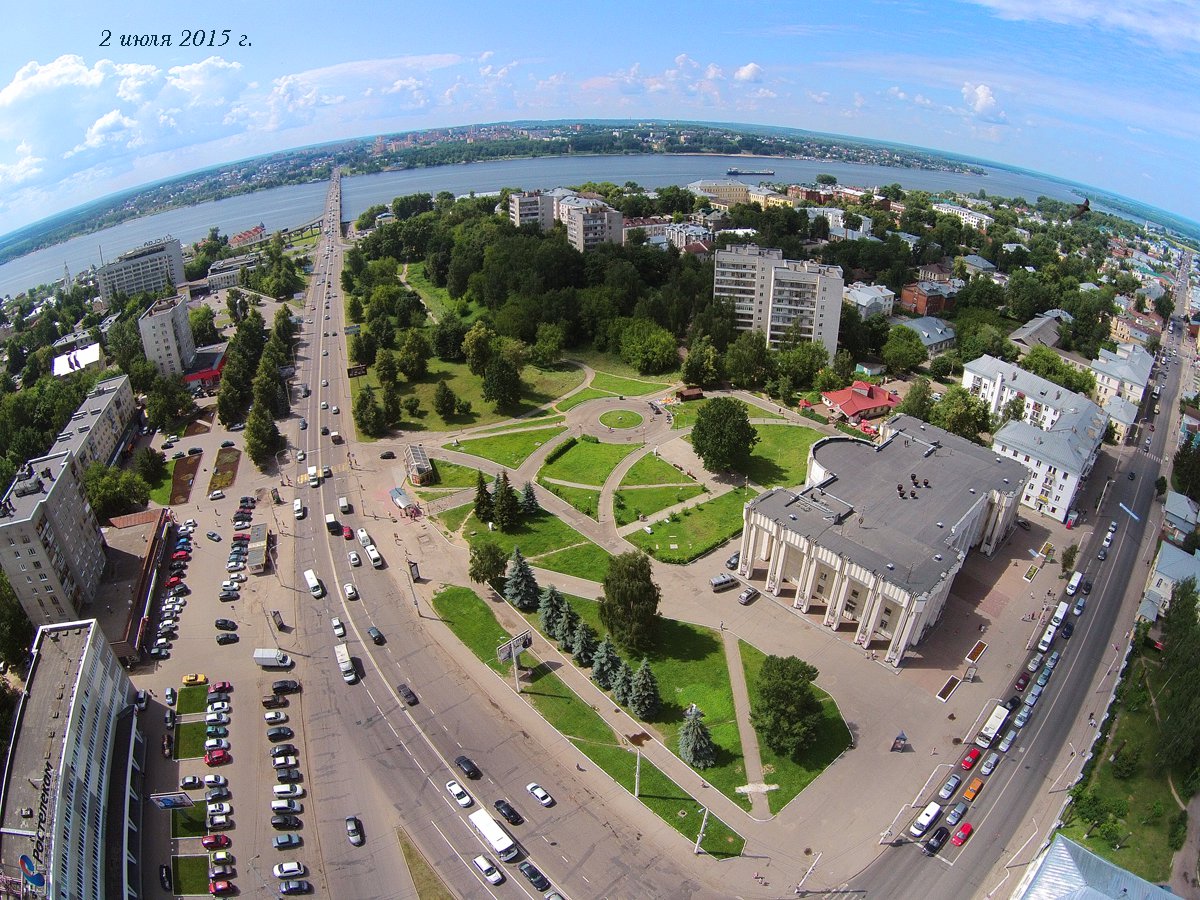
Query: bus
x,y
314,583
497,838
992,727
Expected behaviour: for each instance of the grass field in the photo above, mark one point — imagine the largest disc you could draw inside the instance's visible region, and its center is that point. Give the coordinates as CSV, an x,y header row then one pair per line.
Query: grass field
x,y
621,418
189,740
190,822
781,455
585,500
160,493
517,424
190,874
629,505
451,478
437,300
587,463
452,519
685,413
535,535
473,623
696,531
627,387
611,364
585,561
792,775
507,449
582,397
192,699
652,470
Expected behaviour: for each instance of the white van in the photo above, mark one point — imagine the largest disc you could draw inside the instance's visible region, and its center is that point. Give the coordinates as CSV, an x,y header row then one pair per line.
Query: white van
x,y
314,477
928,816
1060,614
363,537
343,505
298,508
1047,638
314,583
1077,579
373,555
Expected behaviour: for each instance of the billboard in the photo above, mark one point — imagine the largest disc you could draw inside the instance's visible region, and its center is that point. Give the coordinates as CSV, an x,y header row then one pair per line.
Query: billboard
x,y
172,800
356,371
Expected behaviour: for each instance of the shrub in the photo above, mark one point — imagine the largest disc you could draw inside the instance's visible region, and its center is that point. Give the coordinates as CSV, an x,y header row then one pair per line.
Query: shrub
x,y
1178,833
560,450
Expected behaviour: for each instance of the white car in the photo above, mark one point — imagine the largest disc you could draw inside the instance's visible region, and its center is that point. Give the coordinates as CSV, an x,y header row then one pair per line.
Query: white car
x,y
324,382
216,744
539,794
275,717
355,559
301,456
289,870
220,706
324,404
335,410
168,624
217,823
219,809
288,791
488,870
351,591
338,628
217,495
461,797
213,781
229,585
234,567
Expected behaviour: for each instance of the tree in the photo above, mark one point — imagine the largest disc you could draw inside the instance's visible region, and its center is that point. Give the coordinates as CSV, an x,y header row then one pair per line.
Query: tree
x,y
412,405
488,562
583,644
483,499
529,501
567,624
16,631
504,504
112,491
701,365
368,415
918,403
961,413
204,332
903,350
1068,558
386,367
622,682
644,699
629,607
648,346
787,713
547,349
262,436
477,347
412,355
501,383
605,663
363,348
695,743
521,588
444,401
550,610
168,401
150,464
448,335
748,360
723,436
1013,410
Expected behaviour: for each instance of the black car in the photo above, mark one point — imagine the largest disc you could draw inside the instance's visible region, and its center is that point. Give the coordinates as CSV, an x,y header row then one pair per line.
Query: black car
x,y
387,454
227,443
732,562
164,877
193,451
286,686
280,733
324,429
1012,703
510,814
536,878
226,624
1022,524
285,823
468,768
287,776
284,750
1067,629
226,638
937,841
406,694
1131,476
1087,588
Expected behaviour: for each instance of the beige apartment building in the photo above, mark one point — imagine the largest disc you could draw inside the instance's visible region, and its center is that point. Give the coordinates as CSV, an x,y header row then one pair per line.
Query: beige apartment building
x,y
150,267
167,335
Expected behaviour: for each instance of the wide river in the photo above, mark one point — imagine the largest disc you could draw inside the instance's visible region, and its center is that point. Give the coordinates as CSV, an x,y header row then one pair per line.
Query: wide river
x,y
296,204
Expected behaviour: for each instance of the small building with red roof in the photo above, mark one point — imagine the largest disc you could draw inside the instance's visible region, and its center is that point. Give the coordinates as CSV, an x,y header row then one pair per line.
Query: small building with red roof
x,y
861,400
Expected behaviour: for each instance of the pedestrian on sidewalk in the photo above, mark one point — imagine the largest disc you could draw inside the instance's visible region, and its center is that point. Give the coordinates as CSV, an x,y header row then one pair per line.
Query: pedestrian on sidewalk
x,y
722,624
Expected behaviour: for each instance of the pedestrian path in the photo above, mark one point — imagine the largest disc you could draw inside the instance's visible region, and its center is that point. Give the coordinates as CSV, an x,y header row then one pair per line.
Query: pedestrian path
x,y
751,756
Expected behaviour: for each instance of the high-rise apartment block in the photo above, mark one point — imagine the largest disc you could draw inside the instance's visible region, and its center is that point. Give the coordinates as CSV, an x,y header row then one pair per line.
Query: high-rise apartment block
x,y
531,208
167,335
774,295
589,220
150,267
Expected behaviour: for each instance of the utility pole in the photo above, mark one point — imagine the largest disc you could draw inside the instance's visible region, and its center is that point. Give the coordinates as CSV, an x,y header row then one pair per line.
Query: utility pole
x,y
700,837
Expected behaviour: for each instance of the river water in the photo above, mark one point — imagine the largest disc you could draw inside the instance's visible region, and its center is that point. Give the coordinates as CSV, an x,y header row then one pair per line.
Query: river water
x,y
293,205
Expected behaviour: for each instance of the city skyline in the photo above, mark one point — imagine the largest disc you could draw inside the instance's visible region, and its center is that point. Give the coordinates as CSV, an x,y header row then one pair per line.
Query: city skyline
x,y
1070,88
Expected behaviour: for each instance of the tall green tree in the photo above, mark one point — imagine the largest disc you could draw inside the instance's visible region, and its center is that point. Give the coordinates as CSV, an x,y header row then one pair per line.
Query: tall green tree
x,y
444,401
529,501
262,437
150,464
412,355
550,610
701,366
605,663
201,320
504,504
112,491
483,499
567,625
501,383
918,402
723,436
521,587
387,369
477,347
748,361
16,631
488,562
622,683
786,712
644,698
903,350
583,644
629,607
696,746
961,413
368,414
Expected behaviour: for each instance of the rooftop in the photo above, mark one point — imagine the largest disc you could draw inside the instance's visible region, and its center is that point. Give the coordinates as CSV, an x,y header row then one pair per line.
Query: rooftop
x,y
1067,870
930,329
1130,364
1121,409
1182,508
33,485
978,262
858,513
1070,443
163,306
90,411
1175,564
76,360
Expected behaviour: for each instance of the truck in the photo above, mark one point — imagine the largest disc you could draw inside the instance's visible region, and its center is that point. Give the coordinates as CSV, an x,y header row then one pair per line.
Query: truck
x,y
342,654
331,524
314,477
272,658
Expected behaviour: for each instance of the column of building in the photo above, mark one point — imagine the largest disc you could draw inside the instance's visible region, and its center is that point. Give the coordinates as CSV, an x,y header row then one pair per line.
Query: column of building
x,y
837,595
870,613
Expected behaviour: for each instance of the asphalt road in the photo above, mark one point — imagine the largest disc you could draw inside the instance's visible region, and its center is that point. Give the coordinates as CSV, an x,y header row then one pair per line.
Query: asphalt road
x,y
1005,827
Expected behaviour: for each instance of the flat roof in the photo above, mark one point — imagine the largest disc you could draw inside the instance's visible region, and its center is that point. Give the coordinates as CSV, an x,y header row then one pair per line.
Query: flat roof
x,y
35,756
163,306
858,513
24,494
131,576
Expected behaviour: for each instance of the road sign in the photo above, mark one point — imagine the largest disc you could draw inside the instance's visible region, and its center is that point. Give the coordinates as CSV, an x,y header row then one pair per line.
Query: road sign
x,y
356,371
172,800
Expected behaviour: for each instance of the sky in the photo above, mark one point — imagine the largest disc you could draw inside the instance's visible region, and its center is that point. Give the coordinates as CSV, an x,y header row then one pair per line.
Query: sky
x,y
1100,92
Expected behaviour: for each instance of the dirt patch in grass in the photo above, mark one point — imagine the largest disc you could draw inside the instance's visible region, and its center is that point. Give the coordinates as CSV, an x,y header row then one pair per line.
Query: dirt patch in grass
x,y
202,424
183,478
225,472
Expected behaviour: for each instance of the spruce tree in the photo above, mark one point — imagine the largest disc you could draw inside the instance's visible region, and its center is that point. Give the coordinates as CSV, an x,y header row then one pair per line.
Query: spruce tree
x,y
550,610
529,501
504,504
605,663
644,699
567,624
583,644
521,588
622,683
483,499
695,743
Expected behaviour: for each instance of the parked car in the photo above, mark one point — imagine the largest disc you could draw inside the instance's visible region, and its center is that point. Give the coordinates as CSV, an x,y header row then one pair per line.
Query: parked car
x,y
225,624
388,454
732,562
960,837
286,686
1022,681
936,841
747,596
225,638
951,785
956,812
280,733
286,841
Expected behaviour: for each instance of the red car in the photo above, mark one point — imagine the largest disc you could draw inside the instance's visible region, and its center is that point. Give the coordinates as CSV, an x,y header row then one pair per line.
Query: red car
x,y
174,580
241,536
215,841
972,757
181,554
220,687
1022,682
964,831
221,888
347,533
217,758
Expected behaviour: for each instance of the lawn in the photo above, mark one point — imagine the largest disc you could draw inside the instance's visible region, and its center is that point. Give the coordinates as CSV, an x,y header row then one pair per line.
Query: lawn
x,y
652,470
452,519
517,424
582,397
190,874
535,535
646,501
684,414
450,477
781,455
627,387
587,462
192,699
611,364
621,418
1146,796
507,449
696,531
583,499
437,299
428,883
794,774
189,740
191,821
160,493
585,561
473,623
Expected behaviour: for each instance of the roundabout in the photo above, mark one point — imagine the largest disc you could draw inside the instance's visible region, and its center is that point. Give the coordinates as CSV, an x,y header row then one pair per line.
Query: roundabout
x,y
621,418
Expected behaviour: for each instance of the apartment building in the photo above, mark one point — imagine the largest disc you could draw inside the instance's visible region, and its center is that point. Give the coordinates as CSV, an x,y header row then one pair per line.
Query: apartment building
x,y
972,217
150,267
531,208
590,223
928,298
772,294
727,190
226,273
1125,373
167,335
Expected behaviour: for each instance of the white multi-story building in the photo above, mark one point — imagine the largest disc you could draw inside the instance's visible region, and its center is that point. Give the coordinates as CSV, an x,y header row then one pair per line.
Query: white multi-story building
x,y
227,273
590,223
1125,373
772,294
531,208
680,234
167,335
972,217
150,267
75,773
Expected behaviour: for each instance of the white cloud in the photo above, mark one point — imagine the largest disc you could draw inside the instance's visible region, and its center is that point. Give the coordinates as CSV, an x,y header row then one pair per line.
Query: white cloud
x,y
859,100
894,91
25,167
210,82
749,72
67,71
713,72
979,98
1171,23
134,79
111,128
820,98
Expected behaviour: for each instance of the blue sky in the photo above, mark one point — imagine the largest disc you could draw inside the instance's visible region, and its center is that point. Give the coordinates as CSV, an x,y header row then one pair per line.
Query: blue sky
x,y
1097,91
